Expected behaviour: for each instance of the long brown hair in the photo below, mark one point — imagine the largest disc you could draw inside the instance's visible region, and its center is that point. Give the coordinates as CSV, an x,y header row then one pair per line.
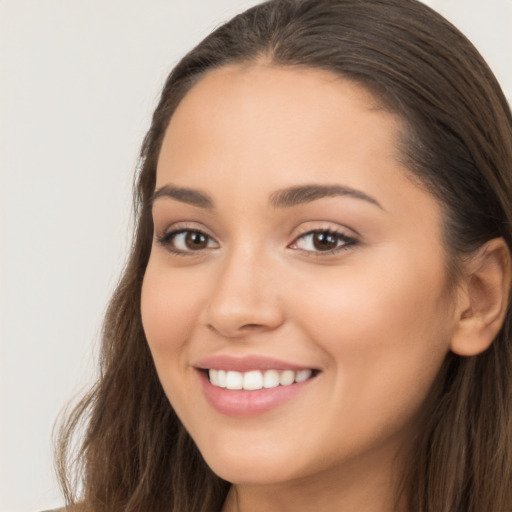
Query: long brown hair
x,y
135,455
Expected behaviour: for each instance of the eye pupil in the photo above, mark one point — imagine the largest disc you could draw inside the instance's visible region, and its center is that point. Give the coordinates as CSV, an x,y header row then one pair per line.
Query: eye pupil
x,y
196,240
325,241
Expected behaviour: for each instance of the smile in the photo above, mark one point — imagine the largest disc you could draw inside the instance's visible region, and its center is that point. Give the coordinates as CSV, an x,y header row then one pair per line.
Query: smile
x,y
255,379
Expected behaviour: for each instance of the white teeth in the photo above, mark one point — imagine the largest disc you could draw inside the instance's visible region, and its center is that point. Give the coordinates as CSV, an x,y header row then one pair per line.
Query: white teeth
x,y
303,375
222,378
214,377
255,379
234,380
271,379
218,378
287,378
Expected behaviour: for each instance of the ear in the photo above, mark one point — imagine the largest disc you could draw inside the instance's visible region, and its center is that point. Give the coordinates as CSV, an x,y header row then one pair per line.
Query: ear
x,y
483,298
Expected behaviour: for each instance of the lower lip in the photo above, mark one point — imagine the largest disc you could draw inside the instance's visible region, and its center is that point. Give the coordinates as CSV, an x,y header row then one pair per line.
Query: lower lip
x,y
249,403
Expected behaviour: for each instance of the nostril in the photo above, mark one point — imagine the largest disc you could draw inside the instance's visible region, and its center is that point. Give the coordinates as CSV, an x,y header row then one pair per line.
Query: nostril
x,y
245,327
251,326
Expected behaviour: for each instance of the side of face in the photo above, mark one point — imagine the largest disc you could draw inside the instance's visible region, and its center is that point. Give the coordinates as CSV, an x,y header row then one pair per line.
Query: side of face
x,y
287,233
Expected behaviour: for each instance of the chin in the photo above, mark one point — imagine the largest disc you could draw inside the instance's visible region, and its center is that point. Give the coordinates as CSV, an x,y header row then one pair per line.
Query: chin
x,y
252,465
255,474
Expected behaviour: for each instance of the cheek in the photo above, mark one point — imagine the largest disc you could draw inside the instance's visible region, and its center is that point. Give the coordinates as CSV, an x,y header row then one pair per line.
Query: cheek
x,y
375,308
168,313
169,317
386,334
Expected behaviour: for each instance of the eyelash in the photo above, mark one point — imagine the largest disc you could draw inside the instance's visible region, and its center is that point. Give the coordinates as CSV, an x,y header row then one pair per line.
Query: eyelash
x,y
166,240
341,238
347,242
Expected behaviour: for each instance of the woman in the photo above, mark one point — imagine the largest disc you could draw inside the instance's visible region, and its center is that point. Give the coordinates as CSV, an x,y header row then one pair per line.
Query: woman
x,y
315,314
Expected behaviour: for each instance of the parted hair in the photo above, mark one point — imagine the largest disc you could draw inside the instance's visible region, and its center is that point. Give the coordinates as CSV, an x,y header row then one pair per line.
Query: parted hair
x,y
122,448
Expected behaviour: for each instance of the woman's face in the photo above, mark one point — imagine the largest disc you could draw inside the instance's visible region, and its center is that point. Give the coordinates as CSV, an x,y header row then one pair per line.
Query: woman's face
x,y
290,245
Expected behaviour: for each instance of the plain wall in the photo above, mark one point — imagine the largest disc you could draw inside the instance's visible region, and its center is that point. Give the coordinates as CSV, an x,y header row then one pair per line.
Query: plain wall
x,y
78,82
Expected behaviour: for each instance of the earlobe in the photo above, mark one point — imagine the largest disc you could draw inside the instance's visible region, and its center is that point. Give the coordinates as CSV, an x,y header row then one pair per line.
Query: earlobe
x,y
485,291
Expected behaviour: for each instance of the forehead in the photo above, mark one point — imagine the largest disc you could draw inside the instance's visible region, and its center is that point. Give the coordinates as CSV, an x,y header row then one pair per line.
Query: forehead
x,y
280,116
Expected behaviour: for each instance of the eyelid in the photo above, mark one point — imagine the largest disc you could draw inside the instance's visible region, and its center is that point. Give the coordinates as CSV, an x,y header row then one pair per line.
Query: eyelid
x,y
165,237
348,240
345,236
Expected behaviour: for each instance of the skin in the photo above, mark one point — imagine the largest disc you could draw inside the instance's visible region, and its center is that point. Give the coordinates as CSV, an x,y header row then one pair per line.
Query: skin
x,y
376,317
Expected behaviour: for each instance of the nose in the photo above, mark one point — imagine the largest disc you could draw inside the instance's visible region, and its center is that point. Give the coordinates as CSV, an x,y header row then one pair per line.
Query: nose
x,y
244,297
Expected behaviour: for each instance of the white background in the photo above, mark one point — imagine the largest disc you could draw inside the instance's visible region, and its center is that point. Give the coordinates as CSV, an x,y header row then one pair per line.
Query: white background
x,y
78,82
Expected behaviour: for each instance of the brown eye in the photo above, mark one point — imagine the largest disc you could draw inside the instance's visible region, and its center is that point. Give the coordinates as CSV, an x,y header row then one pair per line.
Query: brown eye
x,y
186,241
195,240
325,241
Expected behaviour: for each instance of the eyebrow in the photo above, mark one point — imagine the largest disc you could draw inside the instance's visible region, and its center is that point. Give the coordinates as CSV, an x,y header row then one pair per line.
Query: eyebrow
x,y
285,198
184,195
306,193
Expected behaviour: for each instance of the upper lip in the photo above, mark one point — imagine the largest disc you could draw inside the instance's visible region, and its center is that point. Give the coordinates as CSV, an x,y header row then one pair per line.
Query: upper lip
x,y
247,363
